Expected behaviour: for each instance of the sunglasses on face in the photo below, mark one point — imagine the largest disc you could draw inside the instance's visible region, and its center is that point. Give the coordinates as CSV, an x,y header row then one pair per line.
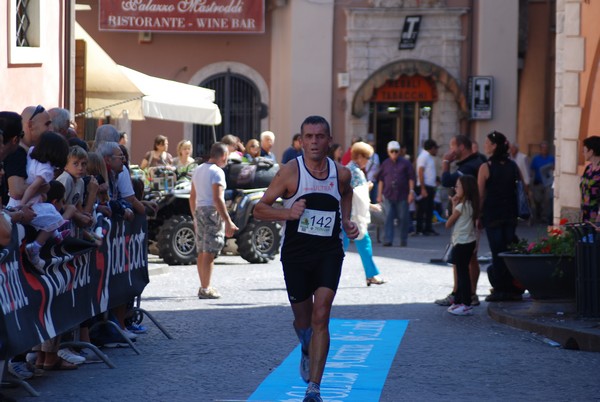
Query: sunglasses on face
x,y
39,109
394,151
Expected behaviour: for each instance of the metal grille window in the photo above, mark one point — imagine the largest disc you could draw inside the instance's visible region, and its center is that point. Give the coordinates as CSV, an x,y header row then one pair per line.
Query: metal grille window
x,y
23,23
241,108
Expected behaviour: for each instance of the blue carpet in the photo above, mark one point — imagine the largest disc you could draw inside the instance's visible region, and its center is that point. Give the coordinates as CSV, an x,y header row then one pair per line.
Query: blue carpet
x,y
359,360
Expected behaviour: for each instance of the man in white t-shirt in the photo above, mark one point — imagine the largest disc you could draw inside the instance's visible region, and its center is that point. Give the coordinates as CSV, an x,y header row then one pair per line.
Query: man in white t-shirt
x,y
211,219
426,187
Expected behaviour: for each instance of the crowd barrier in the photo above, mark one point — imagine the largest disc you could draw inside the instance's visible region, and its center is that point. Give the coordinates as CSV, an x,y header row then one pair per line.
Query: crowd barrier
x,y
80,282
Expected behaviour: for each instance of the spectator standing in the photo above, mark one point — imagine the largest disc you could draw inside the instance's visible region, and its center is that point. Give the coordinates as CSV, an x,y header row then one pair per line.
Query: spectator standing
x,y
590,181
123,138
541,166
496,182
426,188
211,219
371,172
522,162
61,121
314,189
294,150
396,179
361,215
34,121
465,211
347,156
467,163
267,139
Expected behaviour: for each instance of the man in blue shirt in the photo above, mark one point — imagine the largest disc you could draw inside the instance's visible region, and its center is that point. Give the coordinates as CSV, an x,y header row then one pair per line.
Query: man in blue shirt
x,y
293,151
542,166
396,186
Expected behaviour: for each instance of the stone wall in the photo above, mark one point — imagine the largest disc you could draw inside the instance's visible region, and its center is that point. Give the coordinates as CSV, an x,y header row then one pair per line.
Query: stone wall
x,y
372,39
569,65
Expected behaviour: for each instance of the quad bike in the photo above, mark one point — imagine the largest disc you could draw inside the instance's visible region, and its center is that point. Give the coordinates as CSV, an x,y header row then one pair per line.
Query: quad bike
x,y
172,232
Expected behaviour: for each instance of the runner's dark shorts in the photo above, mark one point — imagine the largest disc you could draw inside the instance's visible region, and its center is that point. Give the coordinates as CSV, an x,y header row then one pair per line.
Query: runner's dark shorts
x,y
210,230
303,278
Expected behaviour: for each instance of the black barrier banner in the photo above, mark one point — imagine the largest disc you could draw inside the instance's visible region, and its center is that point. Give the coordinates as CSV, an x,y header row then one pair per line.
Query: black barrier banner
x,y
80,281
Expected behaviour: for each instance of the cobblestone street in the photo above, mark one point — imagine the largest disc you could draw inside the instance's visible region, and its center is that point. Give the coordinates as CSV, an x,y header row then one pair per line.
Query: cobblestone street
x,y
223,349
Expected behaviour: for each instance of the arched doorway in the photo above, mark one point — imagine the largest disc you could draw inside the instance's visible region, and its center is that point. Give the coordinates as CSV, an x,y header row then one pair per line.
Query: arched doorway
x,y
400,110
240,103
401,98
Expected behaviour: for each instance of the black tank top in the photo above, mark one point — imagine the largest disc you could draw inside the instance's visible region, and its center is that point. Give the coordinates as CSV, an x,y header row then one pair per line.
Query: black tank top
x,y
318,231
500,204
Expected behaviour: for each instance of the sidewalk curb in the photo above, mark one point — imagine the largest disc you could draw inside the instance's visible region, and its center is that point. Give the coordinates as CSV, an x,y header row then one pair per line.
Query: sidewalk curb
x,y
563,327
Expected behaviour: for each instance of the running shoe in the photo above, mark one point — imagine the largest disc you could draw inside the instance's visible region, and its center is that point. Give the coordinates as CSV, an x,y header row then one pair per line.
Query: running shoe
x,y
312,397
461,310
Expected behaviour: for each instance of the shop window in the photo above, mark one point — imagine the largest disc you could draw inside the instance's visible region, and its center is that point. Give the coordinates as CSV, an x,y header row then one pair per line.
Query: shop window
x,y
239,100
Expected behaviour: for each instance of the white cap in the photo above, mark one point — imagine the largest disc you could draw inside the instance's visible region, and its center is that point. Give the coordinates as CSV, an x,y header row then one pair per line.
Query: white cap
x,y
393,145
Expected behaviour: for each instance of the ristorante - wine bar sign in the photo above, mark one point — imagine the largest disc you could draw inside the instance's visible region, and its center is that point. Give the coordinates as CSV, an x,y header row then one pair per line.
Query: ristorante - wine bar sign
x,y
206,16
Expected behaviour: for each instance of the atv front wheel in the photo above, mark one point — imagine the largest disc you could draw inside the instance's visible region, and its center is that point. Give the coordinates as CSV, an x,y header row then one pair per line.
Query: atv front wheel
x,y
176,241
259,241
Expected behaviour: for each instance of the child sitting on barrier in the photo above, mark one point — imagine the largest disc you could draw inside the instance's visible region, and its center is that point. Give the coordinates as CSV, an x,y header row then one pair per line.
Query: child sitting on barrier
x,y
72,180
50,153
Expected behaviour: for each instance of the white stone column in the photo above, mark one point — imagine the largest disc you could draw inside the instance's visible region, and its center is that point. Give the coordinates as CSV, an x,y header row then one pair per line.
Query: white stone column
x,y
570,54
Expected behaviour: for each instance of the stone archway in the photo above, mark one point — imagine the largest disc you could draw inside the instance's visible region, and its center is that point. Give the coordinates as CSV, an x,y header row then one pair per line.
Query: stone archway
x,y
407,67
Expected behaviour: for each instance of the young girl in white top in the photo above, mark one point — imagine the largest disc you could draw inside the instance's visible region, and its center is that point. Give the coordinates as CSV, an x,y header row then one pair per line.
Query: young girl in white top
x,y
49,154
465,211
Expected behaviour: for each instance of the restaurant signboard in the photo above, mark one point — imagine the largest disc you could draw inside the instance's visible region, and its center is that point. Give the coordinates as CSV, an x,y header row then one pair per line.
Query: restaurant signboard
x,y
184,16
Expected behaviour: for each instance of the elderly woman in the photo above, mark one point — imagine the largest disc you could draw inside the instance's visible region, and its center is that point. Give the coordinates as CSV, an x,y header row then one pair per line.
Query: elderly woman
x,y
159,156
361,215
590,181
498,196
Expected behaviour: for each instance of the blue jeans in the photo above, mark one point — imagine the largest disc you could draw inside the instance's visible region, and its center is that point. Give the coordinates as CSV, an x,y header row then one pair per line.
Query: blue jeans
x,y
365,251
499,237
395,210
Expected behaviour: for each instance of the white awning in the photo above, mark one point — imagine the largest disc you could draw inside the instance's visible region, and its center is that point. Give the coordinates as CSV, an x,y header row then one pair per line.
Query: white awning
x,y
116,88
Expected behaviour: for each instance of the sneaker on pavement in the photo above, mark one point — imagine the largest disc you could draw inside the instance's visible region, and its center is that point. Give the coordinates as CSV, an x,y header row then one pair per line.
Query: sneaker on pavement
x,y
70,356
89,356
446,301
208,293
461,310
475,300
137,328
453,307
305,366
19,370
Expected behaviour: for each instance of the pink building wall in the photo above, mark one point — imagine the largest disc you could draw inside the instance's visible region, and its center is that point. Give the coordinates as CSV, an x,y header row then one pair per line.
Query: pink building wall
x,y
175,57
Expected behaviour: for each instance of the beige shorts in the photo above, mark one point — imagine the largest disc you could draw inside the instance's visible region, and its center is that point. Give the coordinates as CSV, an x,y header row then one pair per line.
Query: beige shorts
x,y
210,230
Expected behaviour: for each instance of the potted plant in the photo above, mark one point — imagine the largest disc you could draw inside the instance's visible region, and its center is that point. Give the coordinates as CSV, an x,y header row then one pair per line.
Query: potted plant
x,y
545,267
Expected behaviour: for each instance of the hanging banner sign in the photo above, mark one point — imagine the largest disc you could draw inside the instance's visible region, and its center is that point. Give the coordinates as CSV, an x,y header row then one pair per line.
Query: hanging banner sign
x,y
185,16
406,89
79,282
